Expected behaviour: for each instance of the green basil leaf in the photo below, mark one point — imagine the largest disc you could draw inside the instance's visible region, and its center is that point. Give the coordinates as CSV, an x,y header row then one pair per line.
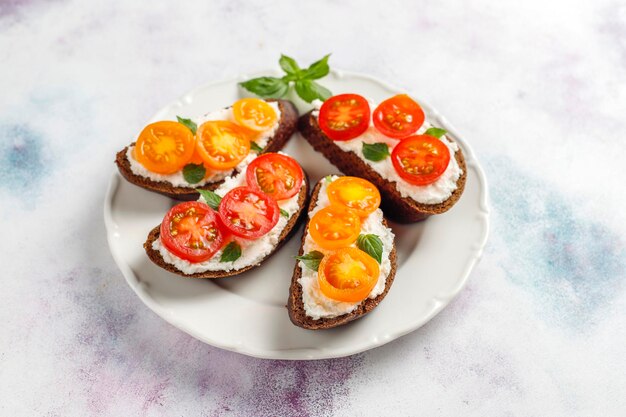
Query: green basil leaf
x,y
375,151
284,213
289,65
188,123
436,132
328,178
194,173
213,200
255,147
231,253
311,260
310,90
266,87
317,70
372,245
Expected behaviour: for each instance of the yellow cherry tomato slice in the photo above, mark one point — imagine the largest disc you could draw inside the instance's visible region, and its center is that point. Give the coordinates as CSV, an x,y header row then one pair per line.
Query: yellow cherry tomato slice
x,y
222,145
164,147
254,114
334,227
355,193
348,274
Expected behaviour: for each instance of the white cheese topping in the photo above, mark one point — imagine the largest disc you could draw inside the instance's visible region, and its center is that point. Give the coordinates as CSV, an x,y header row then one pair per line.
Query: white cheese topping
x,y
316,304
437,192
177,179
252,251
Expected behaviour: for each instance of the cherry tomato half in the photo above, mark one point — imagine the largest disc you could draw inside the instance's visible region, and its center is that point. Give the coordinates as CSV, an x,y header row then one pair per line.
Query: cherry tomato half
x,y
254,114
335,226
222,145
420,159
248,213
344,117
192,231
348,274
398,116
277,175
164,147
355,193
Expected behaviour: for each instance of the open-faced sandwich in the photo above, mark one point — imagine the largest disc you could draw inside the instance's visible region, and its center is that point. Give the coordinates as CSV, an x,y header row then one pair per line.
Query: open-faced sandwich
x,y
176,158
347,261
235,227
418,168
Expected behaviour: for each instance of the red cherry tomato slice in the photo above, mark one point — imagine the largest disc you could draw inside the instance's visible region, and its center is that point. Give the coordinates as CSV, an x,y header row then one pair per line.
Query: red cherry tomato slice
x,y
192,231
248,213
278,176
420,159
398,116
344,117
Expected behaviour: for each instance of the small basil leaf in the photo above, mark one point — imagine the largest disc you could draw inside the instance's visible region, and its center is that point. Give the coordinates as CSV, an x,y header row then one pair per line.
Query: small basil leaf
x,y
436,132
284,213
194,173
231,253
213,200
311,260
255,147
328,178
375,151
289,65
188,123
372,245
266,87
317,70
310,90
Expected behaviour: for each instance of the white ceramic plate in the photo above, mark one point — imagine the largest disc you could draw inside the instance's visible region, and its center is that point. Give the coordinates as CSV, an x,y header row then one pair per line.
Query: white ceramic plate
x,y
247,314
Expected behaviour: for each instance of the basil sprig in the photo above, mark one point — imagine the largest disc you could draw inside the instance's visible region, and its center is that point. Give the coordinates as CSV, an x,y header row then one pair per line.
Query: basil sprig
x,y
213,200
375,151
436,132
372,245
231,253
303,79
255,147
311,260
284,213
188,123
193,173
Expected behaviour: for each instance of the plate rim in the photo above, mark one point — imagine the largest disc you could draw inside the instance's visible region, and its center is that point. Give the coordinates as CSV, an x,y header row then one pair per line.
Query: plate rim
x,y
310,353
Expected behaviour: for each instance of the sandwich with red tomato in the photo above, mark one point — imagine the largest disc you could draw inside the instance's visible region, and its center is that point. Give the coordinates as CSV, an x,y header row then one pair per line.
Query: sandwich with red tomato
x,y
177,158
418,168
236,226
347,261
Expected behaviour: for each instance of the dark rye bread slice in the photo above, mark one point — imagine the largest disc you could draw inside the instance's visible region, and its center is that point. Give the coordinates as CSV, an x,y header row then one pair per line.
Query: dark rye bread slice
x,y
295,305
287,233
396,207
287,126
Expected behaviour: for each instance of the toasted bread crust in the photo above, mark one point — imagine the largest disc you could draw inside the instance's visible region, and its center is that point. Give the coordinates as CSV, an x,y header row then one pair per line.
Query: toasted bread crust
x,y
286,128
396,207
287,233
295,305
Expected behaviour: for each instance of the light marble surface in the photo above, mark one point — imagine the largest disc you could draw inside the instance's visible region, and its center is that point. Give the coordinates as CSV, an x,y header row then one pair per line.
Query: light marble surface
x,y
539,88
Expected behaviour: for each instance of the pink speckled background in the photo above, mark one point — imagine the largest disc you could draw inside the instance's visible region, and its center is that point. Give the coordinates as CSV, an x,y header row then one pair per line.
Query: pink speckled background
x,y
538,88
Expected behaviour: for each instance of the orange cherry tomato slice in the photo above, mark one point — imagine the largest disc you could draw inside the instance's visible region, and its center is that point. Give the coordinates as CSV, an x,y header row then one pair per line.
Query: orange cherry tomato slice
x,y
348,274
192,231
344,117
248,213
420,159
335,226
398,116
222,145
278,176
355,193
164,147
254,114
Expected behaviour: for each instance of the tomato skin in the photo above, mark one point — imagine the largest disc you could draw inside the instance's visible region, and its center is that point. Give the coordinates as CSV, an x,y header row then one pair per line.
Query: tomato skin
x,y
192,231
420,159
248,213
254,114
221,144
355,193
279,176
164,147
344,116
348,274
335,226
398,116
